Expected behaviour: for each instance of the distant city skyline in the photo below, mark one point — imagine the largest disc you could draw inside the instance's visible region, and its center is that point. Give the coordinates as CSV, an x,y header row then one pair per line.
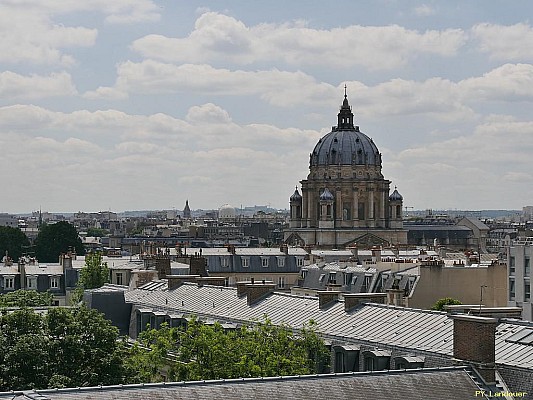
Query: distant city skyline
x,y
143,104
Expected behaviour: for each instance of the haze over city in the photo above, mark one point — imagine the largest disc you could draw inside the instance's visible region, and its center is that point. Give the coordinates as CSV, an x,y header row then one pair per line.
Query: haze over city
x,y
140,104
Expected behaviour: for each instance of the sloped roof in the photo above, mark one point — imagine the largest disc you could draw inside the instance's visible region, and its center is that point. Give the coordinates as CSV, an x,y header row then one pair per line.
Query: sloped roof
x,y
411,384
424,330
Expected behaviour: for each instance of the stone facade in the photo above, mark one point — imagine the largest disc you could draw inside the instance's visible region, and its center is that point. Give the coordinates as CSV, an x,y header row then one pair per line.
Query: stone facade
x,y
345,195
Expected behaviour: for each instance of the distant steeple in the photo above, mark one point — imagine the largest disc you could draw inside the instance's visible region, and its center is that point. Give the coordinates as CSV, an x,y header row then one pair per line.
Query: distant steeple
x,y
345,116
186,210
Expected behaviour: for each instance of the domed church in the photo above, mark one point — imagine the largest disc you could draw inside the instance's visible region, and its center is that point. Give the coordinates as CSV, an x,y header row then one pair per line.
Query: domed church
x,y
345,199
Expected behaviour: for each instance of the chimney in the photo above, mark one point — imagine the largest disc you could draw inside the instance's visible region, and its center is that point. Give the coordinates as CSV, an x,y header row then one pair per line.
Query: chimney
x,y
327,298
162,266
376,254
241,288
284,248
175,281
354,299
211,280
197,266
395,297
258,291
474,341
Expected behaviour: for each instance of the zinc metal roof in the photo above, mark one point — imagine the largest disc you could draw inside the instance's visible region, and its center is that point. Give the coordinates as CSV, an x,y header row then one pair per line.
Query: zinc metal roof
x,y
423,330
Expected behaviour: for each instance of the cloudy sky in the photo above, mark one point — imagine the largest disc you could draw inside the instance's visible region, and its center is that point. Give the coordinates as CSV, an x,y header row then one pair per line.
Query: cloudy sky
x,y
142,104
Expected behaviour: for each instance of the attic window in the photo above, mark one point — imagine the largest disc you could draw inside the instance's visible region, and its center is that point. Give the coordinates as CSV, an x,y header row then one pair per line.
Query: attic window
x,y
321,279
525,336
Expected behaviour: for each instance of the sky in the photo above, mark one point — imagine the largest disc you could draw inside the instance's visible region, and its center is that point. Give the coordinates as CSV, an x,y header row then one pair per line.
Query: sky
x,y
143,104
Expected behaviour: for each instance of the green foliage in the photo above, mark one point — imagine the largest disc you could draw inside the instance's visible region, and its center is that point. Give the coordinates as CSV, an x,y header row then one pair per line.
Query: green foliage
x,y
446,301
12,240
55,239
208,352
95,273
97,232
66,347
26,298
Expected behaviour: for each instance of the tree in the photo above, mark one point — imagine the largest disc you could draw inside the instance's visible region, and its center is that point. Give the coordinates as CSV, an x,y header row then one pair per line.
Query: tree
x,y
66,347
12,240
97,232
95,272
26,298
446,301
209,352
55,239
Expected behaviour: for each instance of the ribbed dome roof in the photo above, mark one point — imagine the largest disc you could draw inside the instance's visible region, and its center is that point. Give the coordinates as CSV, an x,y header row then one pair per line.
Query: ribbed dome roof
x,y
296,196
395,196
345,147
345,144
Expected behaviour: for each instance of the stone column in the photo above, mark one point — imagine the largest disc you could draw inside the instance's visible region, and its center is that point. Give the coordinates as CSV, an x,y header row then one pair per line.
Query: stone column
x,y
371,216
355,207
305,195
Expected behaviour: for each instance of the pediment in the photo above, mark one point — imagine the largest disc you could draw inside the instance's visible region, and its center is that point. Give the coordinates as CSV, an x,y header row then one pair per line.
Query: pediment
x,y
367,240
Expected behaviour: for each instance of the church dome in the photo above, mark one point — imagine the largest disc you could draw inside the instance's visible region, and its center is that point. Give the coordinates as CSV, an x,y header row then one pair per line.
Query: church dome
x,y
226,212
296,196
396,196
345,144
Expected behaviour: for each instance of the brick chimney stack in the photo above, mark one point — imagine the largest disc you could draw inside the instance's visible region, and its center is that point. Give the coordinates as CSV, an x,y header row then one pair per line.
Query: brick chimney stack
x,y
258,291
354,299
327,298
474,341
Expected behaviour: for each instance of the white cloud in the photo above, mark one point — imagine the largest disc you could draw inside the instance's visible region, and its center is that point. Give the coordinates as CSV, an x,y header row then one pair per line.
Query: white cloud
x,y
121,153
30,35
14,87
505,42
510,82
473,170
224,38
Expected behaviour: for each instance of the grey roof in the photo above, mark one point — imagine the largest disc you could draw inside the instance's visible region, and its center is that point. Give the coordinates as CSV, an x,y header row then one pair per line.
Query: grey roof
x,y
455,382
424,330
345,147
44,269
396,196
296,196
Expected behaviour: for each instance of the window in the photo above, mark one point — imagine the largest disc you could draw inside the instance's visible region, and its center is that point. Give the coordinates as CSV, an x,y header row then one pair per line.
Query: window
x,y
354,279
321,279
304,273
527,267
511,290
511,265
281,262
366,284
245,262
264,262
31,282
226,282
527,290
300,262
332,278
369,364
347,278
224,261
9,282
54,282
119,278
281,282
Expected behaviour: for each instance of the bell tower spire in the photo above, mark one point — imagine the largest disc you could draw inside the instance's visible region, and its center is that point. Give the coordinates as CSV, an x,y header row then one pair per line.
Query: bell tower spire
x,y
345,115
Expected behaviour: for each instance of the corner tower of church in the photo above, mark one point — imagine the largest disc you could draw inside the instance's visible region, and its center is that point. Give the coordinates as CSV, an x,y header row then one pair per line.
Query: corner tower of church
x,y
345,199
